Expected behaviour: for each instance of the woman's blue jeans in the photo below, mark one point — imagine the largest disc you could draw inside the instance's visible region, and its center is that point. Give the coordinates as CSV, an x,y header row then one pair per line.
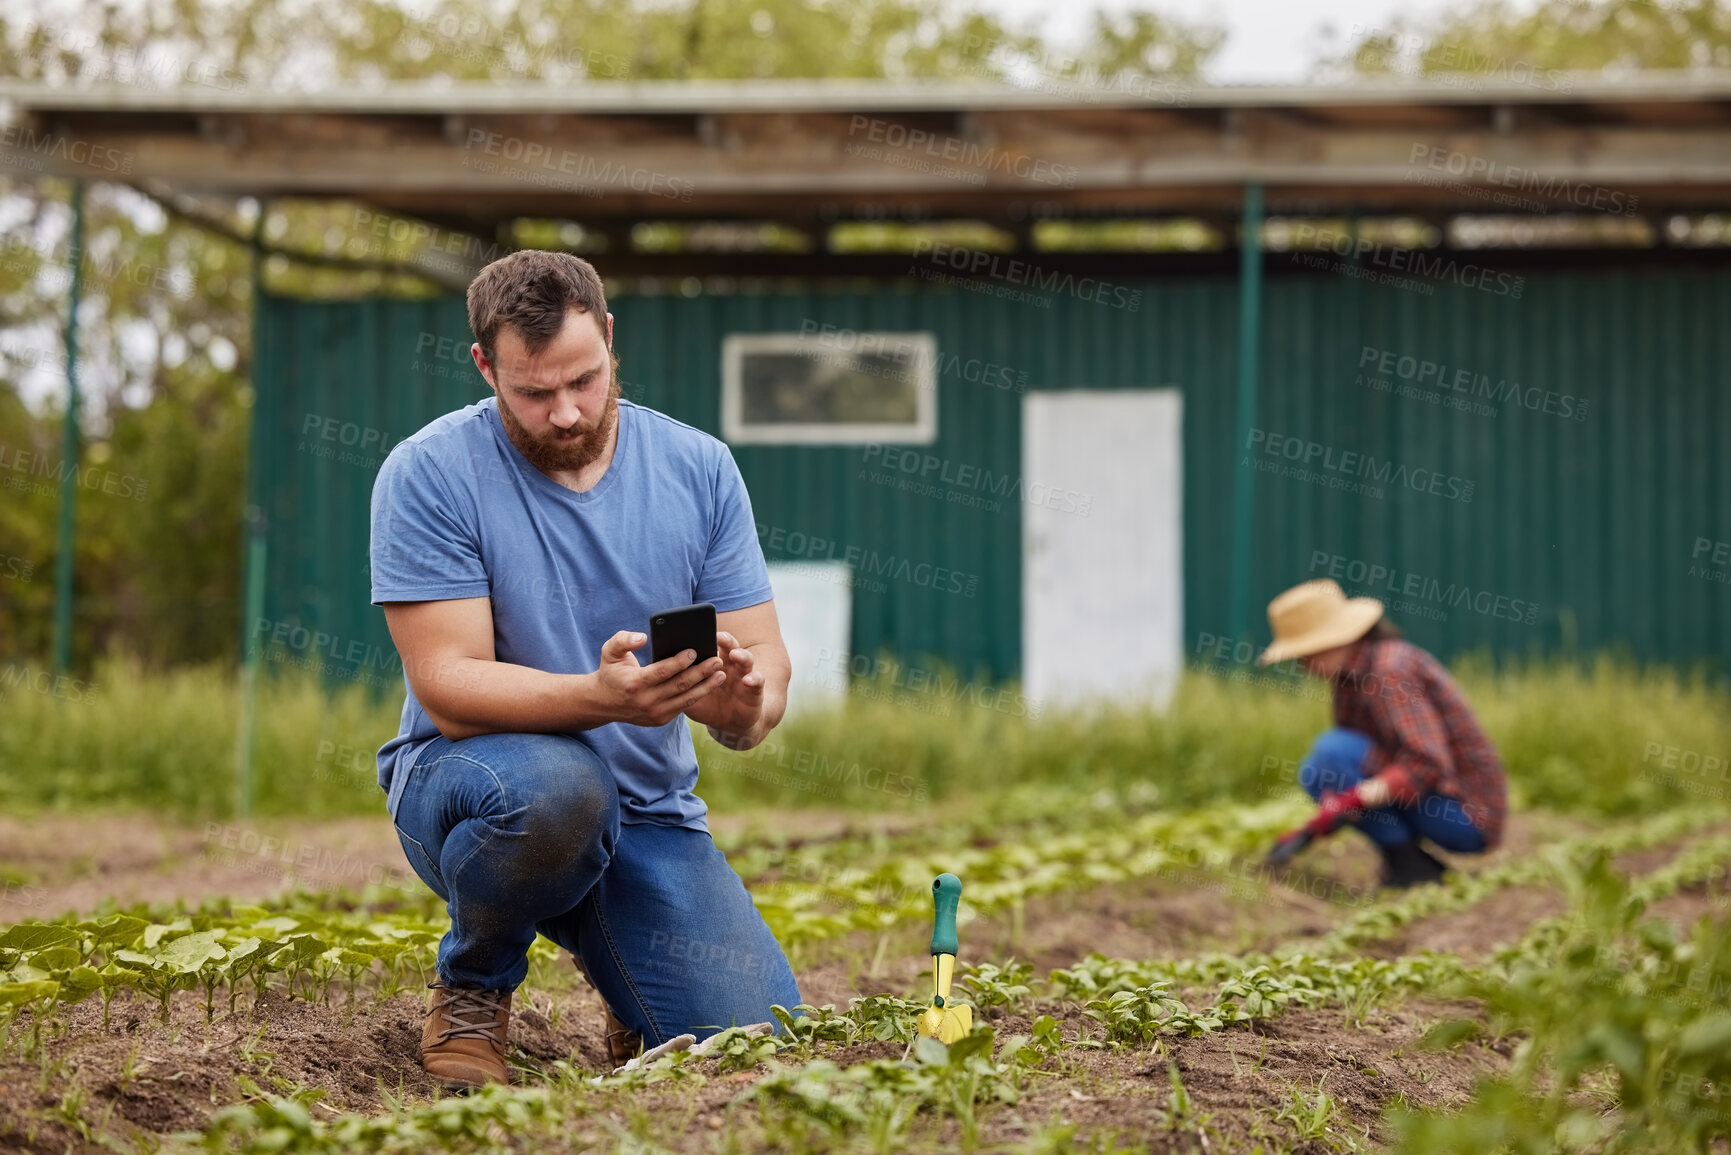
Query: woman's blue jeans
x,y
1336,763
520,834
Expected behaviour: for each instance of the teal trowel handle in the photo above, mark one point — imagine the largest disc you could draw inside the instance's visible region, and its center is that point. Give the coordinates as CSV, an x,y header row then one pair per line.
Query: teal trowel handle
x,y
946,894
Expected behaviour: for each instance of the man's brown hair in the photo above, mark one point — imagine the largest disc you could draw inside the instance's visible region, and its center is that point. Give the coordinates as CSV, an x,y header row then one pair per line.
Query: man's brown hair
x,y
531,291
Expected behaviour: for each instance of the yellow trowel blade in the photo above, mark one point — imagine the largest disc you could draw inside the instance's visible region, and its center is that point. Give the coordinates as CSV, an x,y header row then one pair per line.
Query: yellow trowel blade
x,y
957,1022
944,1020
947,1024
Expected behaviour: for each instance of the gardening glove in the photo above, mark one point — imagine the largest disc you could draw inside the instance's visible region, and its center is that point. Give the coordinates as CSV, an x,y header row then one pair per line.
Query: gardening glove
x,y
1393,785
689,1043
1287,848
676,1043
1402,790
1333,811
754,1031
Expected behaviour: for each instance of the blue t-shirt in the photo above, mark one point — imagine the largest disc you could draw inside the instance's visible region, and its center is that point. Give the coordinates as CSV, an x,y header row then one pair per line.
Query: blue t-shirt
x,y
458,512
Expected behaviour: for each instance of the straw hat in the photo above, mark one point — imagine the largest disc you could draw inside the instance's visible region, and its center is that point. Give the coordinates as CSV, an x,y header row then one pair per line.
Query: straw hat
x,y
1314,617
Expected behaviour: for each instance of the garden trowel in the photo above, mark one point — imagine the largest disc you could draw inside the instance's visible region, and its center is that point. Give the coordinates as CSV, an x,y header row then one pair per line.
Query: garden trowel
x,y
944,1020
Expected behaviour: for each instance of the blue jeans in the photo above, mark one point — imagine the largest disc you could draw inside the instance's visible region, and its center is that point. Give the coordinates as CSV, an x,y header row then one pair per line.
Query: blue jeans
x,y
1336,763
520,834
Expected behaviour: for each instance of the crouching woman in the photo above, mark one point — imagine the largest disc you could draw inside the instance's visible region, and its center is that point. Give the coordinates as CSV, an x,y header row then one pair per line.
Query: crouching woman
x,y
1406,761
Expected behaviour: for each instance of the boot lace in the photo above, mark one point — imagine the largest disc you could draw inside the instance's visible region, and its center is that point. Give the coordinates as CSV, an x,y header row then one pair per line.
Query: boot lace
x,y
463,1010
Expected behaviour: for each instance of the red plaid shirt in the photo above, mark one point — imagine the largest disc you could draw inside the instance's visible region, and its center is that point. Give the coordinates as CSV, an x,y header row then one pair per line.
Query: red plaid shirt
x,y
1420,726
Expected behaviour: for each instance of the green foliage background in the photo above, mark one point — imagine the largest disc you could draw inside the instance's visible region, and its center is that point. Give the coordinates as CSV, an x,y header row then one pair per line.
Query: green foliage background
x,y
165,347
1575,740
1500,41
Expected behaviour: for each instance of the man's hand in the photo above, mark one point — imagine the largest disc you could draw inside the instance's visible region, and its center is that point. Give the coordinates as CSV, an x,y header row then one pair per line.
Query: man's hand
x,y
653,695
448,657
733,712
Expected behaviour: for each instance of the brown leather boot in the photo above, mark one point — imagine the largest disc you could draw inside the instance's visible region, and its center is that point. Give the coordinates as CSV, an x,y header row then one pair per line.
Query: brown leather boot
x,y
463,1043
623,1043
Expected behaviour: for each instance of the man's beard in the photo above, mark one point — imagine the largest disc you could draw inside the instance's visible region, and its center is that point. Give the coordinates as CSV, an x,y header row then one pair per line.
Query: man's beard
x,y
564,454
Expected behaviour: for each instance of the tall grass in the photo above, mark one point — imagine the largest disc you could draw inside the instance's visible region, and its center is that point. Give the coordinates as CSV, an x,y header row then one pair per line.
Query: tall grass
x,y
165,741
1592,739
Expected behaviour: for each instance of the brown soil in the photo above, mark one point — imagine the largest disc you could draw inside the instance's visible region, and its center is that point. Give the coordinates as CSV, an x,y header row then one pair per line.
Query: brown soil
x,y
182,1070
1241,1078
1504,917
53,864
139,1074
1238,1080
813,826
1638,862
57,864
1476,934
1165,916
163,1077
1693,903
1178,913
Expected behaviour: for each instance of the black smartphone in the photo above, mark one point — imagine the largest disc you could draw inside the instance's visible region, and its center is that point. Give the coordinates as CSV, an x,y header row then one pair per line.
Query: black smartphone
x,y
686,628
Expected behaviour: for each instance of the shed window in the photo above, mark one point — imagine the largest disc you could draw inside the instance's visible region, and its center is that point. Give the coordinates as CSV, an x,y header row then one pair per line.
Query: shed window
x,y
839,387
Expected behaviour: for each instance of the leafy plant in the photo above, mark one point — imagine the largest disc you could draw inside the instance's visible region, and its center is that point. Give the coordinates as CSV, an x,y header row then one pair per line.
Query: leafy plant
x,y
1309,1113
1139,1015
1603,992
459,1123
878,1098
990,986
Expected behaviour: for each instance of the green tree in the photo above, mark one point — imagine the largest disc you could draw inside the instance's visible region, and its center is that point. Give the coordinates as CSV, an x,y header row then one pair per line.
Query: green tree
x,y
163,344
1497,36
266,43
1147,44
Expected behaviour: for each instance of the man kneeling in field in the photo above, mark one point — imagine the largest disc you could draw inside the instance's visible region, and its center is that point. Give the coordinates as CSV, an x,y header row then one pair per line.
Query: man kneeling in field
x,y
543,778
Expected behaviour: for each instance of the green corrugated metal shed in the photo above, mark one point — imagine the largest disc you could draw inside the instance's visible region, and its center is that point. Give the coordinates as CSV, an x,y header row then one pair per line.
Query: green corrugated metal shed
x,y
1593,521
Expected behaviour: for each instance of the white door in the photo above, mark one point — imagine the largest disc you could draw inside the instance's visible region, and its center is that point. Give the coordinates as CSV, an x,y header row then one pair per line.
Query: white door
x,y
814,603
1102,562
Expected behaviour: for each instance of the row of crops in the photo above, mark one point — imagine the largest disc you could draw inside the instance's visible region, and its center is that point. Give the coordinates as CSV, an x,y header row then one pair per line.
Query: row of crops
x,y
308,950
826,891
1609,1005
1612,1008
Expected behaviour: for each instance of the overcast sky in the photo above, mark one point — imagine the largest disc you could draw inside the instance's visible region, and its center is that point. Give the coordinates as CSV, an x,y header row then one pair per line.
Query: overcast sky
x,y
1267,42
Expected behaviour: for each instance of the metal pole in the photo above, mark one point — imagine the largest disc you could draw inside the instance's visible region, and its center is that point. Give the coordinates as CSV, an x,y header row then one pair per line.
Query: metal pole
x,y
1249,349
1354,526
69,458
255,551
255,559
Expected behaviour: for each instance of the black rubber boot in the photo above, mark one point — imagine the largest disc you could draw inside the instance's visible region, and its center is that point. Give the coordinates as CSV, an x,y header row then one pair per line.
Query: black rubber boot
x,y
1408,864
